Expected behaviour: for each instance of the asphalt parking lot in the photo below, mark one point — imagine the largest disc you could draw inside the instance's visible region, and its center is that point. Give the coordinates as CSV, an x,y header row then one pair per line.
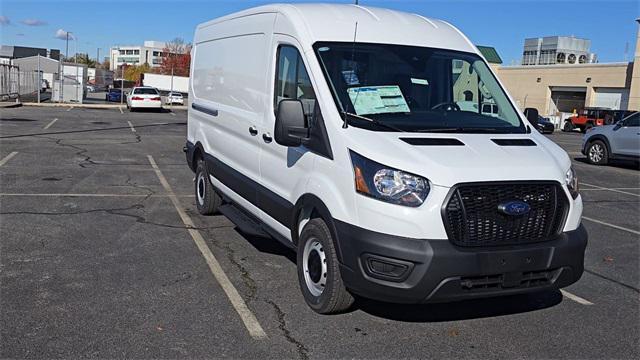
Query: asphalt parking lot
x,y
102,254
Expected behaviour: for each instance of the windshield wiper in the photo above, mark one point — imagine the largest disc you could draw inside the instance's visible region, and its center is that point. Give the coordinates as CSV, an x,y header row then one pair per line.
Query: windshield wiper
x,y
380,123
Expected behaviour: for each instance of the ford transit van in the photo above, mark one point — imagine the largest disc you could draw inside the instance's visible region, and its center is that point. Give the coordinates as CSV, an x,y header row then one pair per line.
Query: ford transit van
x,y
357,136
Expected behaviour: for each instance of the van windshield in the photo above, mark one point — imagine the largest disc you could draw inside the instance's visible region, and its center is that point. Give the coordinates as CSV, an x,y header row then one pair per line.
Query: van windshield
x,y
406,88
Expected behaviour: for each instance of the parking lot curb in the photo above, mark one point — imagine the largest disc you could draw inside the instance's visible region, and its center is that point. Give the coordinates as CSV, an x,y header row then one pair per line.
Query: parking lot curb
x,y
10,105
84,106
93,106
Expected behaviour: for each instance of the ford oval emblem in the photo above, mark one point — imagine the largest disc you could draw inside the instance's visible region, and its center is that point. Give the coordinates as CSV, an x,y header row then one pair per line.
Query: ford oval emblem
x,y
514,208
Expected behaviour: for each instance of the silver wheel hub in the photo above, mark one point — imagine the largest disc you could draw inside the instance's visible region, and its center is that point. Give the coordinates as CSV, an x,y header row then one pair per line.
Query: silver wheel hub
x,y
200,188
314,266
596,153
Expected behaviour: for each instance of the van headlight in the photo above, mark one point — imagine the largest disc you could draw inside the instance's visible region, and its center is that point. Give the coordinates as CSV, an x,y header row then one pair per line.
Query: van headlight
x,y
572,182
388,184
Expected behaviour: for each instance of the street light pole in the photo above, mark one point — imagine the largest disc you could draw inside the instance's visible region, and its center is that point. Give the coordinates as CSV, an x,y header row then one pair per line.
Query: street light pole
x,y
39,85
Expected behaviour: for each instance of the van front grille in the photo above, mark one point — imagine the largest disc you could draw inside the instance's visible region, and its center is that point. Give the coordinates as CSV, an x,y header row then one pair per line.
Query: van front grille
x,y
472,217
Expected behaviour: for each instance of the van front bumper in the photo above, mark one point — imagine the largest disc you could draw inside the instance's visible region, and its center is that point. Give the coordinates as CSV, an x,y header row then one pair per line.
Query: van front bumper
x,y
403,270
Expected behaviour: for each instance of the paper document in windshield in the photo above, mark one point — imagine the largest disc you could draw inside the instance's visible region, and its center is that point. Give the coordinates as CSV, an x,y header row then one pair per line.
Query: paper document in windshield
x,y
378,100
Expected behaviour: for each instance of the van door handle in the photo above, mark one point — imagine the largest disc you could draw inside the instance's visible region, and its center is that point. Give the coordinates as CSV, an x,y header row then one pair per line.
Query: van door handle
x,y
267,137
253,131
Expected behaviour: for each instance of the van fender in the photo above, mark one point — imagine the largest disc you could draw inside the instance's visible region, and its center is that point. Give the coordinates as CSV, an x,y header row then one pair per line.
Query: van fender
x,y
310,206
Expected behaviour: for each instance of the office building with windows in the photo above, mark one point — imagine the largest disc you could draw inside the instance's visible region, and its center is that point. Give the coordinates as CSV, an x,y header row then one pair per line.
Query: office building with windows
x,y
150,52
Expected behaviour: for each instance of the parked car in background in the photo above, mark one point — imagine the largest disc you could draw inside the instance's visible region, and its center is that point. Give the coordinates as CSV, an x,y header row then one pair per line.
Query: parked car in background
x,y
175,98
545,126
91,88
594,116
143,97
114,95
617,141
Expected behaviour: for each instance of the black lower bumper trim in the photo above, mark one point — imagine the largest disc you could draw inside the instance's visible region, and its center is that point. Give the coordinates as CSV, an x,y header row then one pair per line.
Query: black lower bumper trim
x,y
437,271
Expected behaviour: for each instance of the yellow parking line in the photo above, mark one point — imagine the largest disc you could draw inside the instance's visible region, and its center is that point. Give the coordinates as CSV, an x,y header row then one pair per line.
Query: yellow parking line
x,y
249,319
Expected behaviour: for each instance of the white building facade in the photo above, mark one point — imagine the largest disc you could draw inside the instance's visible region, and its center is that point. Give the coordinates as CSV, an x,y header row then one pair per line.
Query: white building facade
x,y
150,53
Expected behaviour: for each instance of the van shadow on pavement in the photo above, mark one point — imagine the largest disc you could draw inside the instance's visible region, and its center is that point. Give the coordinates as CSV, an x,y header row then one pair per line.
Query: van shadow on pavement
x,y
622,164
438,312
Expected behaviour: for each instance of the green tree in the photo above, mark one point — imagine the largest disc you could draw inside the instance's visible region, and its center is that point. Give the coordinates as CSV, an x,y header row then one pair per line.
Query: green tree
x,y
133,72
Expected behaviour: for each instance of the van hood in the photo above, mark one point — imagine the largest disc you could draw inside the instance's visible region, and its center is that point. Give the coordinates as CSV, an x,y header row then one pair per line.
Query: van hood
x,y
478,157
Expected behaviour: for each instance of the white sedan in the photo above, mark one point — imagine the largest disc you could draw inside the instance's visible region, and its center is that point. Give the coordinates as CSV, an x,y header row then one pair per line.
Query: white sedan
x,y
175,98
144,98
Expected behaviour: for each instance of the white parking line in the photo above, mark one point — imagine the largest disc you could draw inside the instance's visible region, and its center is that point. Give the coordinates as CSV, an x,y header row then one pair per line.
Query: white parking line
x,y
249,319
610,189
172,114
612,225
131,126
120,108
69,109
49,124
90,195
575,298
7,158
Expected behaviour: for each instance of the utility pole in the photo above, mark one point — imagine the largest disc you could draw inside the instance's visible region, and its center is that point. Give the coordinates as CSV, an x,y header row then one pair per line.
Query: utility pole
x,y
98,59
171,92
39,79
122,84
75,57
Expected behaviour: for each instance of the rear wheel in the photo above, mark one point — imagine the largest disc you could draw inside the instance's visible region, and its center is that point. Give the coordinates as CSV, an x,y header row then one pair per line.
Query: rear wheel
x,y
597,153
207,199
568,126
319,272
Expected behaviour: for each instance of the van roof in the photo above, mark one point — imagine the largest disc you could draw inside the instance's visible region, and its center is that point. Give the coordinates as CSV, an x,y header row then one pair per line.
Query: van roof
x,y
375,25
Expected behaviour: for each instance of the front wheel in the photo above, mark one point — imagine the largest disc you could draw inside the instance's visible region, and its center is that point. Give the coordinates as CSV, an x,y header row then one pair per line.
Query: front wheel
x,y
207,199
568,126
597,153
319,272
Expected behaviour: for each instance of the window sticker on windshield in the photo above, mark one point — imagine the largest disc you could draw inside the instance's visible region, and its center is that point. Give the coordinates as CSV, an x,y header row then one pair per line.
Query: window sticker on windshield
x,y
419,81
378,100
350,77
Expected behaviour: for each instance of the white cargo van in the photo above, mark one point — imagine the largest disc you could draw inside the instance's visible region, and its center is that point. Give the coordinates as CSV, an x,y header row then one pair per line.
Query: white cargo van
x,y
356,136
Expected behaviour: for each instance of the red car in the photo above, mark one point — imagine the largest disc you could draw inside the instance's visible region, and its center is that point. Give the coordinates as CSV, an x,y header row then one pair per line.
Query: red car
x,y
593,116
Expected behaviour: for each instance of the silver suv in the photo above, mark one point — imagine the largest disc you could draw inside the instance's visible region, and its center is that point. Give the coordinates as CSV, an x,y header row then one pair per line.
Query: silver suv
x,y
617,141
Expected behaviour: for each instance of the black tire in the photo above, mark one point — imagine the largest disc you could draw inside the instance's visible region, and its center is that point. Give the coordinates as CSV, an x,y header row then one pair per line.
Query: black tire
x,y
597,153
568,126
207,199
333,297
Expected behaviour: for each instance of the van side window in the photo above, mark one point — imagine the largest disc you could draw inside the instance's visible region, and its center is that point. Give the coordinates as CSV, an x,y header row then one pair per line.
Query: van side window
x,y
292,80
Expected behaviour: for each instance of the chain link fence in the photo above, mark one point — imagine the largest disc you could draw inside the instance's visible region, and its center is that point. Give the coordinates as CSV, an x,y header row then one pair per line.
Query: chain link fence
x,y
15,83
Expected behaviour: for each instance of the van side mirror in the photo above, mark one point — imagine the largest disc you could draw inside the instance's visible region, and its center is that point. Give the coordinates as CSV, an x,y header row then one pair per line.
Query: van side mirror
x,y
532,116
291,123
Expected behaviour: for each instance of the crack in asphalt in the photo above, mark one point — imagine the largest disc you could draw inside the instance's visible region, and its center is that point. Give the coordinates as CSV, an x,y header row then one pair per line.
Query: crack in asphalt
x,y
244,273
112,211
631,287
250,284
303,352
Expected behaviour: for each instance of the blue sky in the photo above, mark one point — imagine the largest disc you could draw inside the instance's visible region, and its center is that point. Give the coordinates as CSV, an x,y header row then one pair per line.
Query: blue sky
x,y
503,24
